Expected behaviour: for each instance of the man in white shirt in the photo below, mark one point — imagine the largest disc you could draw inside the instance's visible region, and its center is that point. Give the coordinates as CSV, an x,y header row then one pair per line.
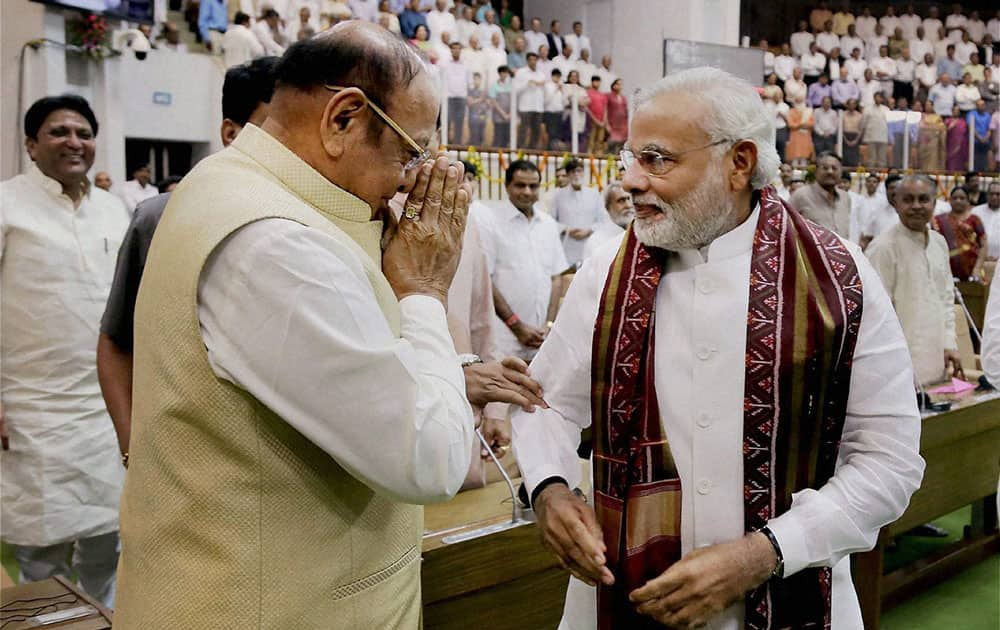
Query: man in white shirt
x,y
890,21
475,59
494,58
239,44
607,75
456,76
827,40
529,84
850,41
268,33
586,69
913,263
138,188
364,9
965,48
989,214
795,87
679,381
534,36
942,96
993,26
785,64
801,39
578,210
813,64
58,239
875,43
921,46
489,28
881,216
906,72
768,57
856,65
955,22
303,26
865,23
864,205
466,26
911,23
990,356
869,86
565,62
526,261
926,73
441,20
577,39
975,27
933,25
620,213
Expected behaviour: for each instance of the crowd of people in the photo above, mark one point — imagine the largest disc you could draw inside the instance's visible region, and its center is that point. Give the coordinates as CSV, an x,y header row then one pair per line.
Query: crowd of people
x,y
861,82
493,67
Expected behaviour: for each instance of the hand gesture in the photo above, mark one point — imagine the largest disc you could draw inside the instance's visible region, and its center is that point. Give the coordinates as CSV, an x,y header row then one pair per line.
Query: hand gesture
x,y
953,360
706,581
496,432
529,336
569,529
506,381
423,253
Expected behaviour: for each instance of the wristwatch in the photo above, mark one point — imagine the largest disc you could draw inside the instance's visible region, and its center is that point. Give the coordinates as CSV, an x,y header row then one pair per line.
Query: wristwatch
x,y
779,568
469,359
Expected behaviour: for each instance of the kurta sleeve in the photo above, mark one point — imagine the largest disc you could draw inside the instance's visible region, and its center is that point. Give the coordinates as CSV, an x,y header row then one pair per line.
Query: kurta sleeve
x,y
879,464
991,332
288,315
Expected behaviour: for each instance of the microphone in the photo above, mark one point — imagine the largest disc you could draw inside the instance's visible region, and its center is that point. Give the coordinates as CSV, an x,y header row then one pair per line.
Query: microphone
x,y
519,516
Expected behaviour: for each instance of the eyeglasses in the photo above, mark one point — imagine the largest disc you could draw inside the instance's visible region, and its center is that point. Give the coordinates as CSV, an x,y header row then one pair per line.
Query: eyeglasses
x,y
422,153
656,163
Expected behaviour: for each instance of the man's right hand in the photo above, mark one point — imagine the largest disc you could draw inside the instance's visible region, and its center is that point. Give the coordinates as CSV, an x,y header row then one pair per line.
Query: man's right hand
x,y
422,256
569,529
506,381
529,336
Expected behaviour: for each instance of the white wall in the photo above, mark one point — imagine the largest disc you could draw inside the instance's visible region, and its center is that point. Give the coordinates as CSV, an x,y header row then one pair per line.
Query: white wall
x,y
632,31
120,91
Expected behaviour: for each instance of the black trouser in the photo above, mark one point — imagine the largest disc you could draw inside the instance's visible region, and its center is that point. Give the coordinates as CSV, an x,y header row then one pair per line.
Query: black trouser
x,y
477,130
553,127
780,140
456,119
903,89
501,133
824,144
530,130
809,80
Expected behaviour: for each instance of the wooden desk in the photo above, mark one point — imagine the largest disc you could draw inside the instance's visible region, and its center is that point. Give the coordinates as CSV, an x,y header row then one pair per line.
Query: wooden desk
x,y
22,602
962,451
501,581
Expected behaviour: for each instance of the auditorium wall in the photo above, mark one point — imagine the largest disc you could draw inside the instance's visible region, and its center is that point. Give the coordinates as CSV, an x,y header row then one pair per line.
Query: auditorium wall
x,y
167,96
632,31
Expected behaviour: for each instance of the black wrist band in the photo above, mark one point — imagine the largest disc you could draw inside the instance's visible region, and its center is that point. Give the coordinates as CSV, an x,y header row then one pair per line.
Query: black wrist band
x,y
779,568
545,484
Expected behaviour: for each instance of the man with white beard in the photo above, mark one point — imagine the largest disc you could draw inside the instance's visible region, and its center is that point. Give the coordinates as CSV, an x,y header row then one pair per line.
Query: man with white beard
x,y
618,203
750,305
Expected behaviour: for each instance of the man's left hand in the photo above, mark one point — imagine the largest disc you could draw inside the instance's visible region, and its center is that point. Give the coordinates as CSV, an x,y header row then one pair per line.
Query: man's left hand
x,y
580,233
496,432
953,360
706,581
506,381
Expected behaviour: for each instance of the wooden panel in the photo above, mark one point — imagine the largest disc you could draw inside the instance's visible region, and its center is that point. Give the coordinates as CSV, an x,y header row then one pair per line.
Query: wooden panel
x,y
480,563
533,602
962,452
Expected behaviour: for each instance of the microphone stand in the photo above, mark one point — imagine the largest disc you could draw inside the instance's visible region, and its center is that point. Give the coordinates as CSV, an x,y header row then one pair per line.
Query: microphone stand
x,y
519,516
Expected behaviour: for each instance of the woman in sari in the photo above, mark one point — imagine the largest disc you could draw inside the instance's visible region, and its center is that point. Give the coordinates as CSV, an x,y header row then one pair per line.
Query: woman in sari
x,y
799,150
617,118
930,145
852,133
958,141
965,234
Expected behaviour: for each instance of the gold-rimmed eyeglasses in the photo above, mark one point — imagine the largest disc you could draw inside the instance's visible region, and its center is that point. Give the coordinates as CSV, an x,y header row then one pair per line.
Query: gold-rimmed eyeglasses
x,y
422,153
656,163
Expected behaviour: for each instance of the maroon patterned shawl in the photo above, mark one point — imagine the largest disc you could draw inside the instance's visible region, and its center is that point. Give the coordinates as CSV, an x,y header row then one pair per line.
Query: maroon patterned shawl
x,y
802,324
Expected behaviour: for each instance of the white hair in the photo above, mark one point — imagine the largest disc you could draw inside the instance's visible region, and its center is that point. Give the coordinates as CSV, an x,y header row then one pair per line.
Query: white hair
x,y
733,111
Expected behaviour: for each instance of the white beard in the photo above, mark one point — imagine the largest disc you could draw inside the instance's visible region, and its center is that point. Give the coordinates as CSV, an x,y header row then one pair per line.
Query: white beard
x,y
691,221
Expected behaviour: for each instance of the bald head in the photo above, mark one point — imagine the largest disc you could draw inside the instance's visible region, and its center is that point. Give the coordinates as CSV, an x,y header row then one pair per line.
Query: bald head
x,y
356,104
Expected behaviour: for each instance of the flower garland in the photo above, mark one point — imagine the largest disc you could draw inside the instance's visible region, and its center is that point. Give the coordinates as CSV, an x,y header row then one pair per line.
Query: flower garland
x,y
89,32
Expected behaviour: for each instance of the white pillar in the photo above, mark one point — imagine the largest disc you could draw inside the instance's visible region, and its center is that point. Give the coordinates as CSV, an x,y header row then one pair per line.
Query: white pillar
x,y
574,104
513,117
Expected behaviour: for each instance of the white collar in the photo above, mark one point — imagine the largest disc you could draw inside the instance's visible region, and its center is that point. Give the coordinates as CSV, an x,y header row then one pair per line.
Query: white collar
x,y
735,242
50,185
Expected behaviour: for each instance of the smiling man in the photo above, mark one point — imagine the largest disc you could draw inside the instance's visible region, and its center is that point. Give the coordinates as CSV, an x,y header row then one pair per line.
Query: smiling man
x,y
58,239
723,495
297,394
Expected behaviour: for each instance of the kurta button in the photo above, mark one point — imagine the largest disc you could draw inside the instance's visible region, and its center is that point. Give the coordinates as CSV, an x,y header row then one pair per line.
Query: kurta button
x,y
704,486
704,352
704,420
705,285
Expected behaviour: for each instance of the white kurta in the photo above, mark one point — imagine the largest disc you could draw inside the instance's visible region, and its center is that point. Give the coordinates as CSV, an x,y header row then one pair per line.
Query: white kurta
x,y
991,334
606,231
288,315
523,257
917,276
701,310
62,475
133,193
991,222
577,209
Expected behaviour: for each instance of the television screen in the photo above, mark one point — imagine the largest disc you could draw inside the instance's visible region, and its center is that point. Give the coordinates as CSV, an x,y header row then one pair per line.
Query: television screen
x,y
130,10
